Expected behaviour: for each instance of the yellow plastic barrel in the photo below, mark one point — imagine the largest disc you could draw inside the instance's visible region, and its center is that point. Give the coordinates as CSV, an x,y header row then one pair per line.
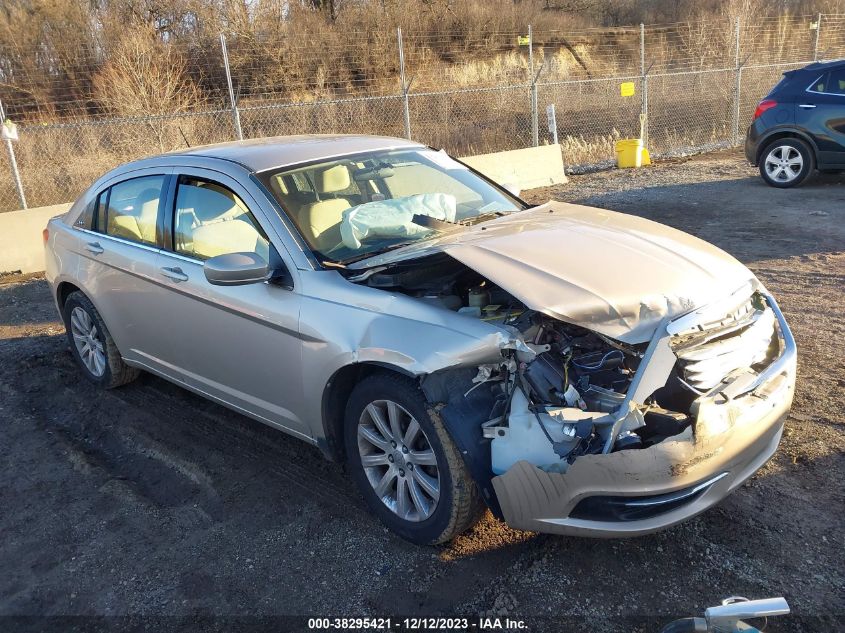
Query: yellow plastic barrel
x,y
629,152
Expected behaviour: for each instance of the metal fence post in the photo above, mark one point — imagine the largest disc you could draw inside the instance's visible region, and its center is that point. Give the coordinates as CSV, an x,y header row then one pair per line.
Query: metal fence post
x,y
406,105
816,43
643,88
535,119
236,116
738,85
13,163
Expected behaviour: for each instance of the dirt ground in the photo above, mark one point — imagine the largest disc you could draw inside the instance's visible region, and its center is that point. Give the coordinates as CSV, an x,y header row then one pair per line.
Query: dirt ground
x,y
148,501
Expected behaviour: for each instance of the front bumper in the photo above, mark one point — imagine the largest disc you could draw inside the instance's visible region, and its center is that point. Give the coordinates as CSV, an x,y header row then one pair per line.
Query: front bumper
x,y
669,482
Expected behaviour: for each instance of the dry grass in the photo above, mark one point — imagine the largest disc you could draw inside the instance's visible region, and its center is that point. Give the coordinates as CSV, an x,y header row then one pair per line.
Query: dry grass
x,y
308,73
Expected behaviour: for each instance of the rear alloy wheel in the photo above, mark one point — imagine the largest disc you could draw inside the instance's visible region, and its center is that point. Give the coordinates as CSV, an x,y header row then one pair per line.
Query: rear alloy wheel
x,y
405,464
787,162
92,345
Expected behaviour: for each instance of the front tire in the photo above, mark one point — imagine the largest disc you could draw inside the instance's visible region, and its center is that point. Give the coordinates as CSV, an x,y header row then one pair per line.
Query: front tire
x,y
787,162
92,346
405,464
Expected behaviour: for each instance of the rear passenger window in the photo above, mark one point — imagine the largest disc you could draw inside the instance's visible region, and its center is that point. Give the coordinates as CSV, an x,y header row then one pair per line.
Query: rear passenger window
x,y
211,220
820,84
129,209
836,82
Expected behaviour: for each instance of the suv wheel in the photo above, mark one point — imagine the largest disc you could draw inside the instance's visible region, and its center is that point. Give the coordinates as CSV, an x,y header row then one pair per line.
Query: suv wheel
x,y
406,466
787,162
92,345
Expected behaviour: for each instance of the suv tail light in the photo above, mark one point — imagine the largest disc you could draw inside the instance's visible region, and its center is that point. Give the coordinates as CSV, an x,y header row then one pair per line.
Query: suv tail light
x,y
765,104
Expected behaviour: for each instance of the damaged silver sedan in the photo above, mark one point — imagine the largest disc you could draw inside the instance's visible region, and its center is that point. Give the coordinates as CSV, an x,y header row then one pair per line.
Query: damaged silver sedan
x,y
574,370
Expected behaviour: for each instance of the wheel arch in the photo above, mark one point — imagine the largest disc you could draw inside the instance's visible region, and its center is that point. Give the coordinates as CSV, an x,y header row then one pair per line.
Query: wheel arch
x,y
779,134
335,396
63,290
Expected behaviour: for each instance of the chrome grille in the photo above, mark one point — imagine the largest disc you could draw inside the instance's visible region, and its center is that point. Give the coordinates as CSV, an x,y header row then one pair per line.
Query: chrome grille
x,y
739,341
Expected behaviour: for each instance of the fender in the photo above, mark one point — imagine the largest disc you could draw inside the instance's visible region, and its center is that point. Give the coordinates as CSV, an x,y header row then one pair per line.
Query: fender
x,y
788,130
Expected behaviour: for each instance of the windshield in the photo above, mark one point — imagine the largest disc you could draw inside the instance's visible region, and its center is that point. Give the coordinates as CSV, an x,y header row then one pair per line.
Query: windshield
x,y
356,206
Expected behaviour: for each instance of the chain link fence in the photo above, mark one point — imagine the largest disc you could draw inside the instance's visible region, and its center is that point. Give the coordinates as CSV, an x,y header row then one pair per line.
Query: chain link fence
x,y
696,87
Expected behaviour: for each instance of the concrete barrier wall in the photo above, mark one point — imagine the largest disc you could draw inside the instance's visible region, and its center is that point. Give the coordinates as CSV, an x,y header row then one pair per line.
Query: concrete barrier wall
x,y
22,249
21,241
522,168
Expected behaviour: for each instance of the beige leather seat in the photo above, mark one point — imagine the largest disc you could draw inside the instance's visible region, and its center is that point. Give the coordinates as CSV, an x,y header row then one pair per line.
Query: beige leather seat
x,y
320,220
140,225
210,224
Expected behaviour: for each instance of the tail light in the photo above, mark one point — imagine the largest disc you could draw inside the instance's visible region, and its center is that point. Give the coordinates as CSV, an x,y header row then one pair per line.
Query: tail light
x,y
45,235
765,104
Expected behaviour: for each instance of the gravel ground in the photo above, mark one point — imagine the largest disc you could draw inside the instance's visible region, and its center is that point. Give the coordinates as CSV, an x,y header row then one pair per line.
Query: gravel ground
x,y
148,501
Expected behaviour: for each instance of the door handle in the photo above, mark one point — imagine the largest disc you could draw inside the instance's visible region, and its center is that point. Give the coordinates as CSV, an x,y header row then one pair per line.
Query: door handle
x,y
175,274
806,106
94,247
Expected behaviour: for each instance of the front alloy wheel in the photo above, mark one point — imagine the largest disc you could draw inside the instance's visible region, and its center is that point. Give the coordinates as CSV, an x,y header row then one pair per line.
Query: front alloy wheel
x,y
405,463
398,460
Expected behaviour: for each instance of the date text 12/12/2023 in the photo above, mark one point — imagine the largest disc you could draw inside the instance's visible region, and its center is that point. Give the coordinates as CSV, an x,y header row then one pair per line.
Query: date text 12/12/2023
x,y
418,624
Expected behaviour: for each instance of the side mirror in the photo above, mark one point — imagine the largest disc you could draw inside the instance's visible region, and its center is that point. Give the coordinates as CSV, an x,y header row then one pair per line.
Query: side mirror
x,y
236,269
512,188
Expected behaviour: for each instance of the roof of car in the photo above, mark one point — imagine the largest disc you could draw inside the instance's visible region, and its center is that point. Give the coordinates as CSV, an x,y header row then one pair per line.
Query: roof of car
x,y
824,65
266,153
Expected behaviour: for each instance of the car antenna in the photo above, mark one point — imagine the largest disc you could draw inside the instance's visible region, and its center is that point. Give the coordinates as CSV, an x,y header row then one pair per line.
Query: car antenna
x,y
184,138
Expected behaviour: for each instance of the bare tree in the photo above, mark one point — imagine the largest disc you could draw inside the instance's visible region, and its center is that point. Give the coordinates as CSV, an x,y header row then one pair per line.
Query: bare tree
x,y
143,77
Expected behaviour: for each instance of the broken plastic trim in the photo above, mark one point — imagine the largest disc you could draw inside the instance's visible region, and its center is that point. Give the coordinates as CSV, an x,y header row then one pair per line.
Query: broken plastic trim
x,y
659,359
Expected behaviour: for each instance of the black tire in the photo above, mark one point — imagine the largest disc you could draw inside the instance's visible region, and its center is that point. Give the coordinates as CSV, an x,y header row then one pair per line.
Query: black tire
x,y
115,372
807,157
459,505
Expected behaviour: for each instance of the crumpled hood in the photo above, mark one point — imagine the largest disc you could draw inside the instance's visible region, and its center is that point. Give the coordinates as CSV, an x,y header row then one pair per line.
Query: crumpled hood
x,y
612,273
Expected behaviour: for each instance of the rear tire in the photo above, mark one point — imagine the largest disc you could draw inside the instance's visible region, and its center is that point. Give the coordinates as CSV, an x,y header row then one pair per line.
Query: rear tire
x,y
92,346
787,162
380,415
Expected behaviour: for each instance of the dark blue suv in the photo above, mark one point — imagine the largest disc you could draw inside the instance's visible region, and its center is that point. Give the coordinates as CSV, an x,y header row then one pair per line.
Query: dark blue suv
x,y
800,125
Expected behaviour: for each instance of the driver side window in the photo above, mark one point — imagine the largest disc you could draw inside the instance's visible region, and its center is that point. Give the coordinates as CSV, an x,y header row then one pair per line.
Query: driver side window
x,y
210,220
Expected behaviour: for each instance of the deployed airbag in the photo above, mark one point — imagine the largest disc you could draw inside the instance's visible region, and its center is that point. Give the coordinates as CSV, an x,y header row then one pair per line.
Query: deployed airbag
x,y
393,218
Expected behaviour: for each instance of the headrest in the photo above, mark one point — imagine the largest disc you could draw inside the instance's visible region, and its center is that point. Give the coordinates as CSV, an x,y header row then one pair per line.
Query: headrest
x,y
206,203
332,179
148,195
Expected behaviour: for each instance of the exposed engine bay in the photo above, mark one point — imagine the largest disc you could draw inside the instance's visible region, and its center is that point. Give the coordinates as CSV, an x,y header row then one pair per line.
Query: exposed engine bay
x,y
572,383
557,399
